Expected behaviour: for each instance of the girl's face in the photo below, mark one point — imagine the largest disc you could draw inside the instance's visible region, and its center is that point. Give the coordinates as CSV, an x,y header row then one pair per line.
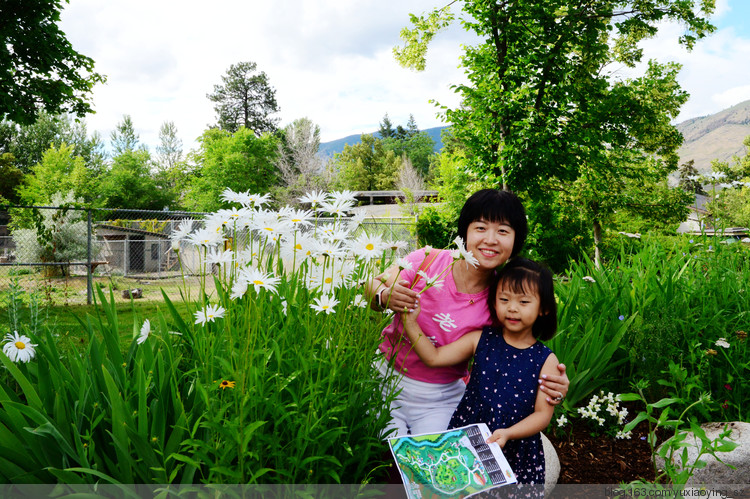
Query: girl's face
x,y
490,242
517,311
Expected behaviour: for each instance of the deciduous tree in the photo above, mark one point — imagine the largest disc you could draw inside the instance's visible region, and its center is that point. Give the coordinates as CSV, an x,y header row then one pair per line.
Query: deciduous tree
x,y
39,69
239,161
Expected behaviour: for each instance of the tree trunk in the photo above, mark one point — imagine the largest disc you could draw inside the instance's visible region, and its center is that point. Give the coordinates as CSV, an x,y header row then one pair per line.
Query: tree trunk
x,y
597,245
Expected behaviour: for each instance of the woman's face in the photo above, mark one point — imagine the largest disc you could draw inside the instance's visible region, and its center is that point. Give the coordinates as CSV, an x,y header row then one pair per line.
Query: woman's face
x,y
490,242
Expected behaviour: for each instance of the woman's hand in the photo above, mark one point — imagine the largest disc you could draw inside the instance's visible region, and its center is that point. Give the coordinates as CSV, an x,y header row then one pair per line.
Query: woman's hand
x,y
399,297
556,387
500,436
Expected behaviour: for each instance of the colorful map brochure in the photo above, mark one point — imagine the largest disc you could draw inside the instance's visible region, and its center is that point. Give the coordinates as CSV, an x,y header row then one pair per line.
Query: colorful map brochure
x,y
453,463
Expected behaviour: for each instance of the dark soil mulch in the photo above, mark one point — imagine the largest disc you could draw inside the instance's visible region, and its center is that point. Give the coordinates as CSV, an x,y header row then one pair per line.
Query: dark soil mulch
x,y
600,459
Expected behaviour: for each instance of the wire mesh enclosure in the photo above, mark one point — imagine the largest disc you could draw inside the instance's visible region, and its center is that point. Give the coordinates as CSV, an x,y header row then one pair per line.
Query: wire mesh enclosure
x,y
62,254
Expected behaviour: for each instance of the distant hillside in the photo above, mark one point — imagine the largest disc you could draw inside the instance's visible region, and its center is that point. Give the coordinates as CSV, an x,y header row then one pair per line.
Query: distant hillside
x,y
334,146
717,136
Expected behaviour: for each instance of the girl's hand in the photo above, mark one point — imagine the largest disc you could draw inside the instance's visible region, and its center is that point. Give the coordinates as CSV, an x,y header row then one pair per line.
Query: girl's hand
x,y
500,436
556,387
399,297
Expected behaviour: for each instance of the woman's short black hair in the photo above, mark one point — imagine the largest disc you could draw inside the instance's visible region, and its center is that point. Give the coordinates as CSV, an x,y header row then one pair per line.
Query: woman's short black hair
x,y
522,275
494,205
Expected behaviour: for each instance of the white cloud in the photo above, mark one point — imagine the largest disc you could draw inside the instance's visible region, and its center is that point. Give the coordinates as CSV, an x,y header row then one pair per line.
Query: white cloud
x,y
329,60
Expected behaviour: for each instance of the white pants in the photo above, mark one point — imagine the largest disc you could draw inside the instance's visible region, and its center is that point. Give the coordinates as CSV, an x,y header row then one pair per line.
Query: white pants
x,y
422,407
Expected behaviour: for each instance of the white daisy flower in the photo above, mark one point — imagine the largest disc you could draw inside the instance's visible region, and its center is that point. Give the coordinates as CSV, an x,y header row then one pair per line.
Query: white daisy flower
x,y
403,263
256,200
259,279
338,208
230,196
205,237
225,257
209,314
464,253
299,218
19,347
347,197
145,331
359,301
184,228
367,247
398,245
239,288
315,198
324,304
431,281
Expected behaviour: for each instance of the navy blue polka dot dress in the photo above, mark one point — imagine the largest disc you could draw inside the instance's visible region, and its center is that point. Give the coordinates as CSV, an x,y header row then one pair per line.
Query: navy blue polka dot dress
x,y
501,392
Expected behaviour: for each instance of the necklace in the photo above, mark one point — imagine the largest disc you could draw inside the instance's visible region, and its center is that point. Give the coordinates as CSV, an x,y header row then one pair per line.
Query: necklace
x,y
462,278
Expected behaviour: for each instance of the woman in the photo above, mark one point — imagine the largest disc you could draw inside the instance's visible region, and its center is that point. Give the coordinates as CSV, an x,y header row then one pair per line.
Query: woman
x,y
493,225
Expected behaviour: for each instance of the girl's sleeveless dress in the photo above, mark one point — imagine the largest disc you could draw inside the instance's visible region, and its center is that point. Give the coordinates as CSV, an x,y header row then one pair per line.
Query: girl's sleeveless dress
x,y
502,391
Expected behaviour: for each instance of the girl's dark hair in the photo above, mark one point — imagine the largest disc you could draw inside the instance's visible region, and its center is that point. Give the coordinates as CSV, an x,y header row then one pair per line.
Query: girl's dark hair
x,y
521,275
494,205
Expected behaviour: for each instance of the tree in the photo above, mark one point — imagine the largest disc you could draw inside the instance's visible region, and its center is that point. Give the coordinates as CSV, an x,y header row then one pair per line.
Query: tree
x,y
367,166
417,146
129,184
60,170
533,105
10,178
300,167
386,127
245,99
542,111
169,150
58,235
39,70
28,143
690,178
239,161
123,137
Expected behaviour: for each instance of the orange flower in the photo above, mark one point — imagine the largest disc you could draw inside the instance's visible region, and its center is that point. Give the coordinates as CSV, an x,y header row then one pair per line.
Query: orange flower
x,y
226,384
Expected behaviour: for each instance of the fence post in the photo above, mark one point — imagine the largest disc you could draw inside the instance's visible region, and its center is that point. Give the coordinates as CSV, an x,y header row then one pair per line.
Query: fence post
x,y
89,277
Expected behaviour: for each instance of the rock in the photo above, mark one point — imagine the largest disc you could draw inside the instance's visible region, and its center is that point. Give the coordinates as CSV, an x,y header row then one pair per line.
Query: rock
x,y
132,293
716,472
551,466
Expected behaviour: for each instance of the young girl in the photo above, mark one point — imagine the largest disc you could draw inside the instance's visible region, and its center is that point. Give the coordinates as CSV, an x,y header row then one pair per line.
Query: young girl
x,y
508,360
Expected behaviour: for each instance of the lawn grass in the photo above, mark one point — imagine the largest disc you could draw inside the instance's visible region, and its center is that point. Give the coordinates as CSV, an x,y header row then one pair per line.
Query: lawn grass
x,y
63,320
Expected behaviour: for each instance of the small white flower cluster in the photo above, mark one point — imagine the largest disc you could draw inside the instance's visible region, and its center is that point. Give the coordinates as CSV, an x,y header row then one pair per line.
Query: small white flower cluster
x,y
722,342
611,404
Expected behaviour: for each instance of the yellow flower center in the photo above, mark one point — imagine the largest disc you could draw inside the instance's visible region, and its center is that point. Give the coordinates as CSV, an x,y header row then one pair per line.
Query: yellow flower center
x,y
370,247
20,345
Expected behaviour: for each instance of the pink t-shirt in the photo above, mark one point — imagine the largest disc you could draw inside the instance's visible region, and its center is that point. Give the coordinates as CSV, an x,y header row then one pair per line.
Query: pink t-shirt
x,y
446,315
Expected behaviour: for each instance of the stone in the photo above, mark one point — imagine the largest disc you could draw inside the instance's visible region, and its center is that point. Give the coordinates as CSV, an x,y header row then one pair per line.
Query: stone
x,y
551,466
132,293
716,472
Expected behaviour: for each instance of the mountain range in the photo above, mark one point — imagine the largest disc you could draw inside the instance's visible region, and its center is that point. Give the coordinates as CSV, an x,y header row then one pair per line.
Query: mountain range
x,y
717,136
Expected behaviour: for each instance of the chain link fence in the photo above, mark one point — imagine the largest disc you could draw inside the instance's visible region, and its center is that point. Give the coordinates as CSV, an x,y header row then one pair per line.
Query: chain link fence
x,y
62,254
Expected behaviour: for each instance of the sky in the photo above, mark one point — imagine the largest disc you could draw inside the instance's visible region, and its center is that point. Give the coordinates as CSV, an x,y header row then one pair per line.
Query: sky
x,y
328,60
